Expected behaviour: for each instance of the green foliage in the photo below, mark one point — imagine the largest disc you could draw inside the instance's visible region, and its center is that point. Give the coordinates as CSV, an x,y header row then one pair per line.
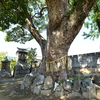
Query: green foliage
x,y
61,81
11,11
13,14
18,34
76,78
71,2
31,55
93,22
72,79
12,63
2,56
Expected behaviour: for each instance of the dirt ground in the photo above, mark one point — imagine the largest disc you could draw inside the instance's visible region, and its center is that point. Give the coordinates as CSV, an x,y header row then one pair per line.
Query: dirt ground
x,y
7,86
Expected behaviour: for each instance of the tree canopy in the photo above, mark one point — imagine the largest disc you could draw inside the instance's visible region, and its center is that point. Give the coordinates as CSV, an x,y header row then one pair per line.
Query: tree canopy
x,y
93,22
13,14
31,55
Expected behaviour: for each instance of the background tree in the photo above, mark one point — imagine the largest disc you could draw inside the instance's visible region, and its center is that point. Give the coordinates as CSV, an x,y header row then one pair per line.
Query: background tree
x,y
63,20
2,56
12,63
93,22
31,55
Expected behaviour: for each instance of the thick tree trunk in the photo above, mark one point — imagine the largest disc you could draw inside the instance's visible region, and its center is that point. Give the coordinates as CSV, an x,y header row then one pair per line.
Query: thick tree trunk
x,y
57,46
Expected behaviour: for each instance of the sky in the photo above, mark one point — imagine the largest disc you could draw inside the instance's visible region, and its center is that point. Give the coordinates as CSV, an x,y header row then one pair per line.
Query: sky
x,y
79,45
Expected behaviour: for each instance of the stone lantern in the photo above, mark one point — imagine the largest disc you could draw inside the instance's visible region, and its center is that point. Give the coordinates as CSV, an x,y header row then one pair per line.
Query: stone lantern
x,y
21,67
34,63
5,65
22,54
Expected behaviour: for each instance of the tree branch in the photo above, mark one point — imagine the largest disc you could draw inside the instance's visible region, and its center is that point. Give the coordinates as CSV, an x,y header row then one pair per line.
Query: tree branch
x,y
35,32
40,13
80,12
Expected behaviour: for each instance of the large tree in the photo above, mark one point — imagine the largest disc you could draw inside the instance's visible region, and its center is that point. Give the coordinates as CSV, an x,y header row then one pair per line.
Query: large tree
x,y
63,20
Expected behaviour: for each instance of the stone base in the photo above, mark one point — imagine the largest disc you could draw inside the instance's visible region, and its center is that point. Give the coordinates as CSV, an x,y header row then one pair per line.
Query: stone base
x,y
21,72
88,70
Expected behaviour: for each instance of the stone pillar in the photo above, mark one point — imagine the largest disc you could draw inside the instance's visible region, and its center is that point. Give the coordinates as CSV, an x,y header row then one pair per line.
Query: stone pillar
x,y
34,65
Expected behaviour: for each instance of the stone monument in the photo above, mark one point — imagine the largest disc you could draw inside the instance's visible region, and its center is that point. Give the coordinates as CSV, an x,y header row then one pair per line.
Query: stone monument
x,y
21,68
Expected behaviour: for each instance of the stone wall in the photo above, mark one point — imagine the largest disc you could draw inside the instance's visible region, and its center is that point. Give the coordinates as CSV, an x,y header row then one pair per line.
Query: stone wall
x,y
89,62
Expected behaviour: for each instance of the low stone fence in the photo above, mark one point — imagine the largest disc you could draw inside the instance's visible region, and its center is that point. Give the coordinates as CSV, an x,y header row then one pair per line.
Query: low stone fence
x,y
86,63
86,60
